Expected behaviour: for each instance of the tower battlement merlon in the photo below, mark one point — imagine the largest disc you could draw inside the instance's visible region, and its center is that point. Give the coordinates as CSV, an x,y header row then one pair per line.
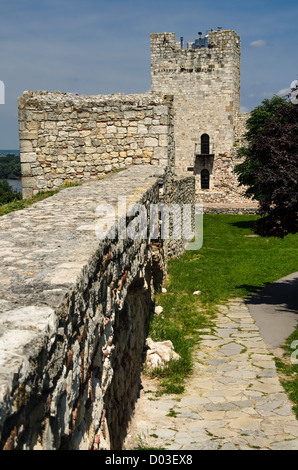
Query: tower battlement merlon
x,y
204,67
225,40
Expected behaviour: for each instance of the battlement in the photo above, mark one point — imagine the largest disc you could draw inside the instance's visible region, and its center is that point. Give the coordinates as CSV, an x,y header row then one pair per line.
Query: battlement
x,y
196,69
226,40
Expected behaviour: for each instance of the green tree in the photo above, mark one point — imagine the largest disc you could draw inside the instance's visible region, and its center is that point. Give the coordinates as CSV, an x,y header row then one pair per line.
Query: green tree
x,y
270,166
10,167
7,194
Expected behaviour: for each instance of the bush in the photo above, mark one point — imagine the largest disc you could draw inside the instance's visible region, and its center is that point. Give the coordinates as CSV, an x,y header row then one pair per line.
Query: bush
x,y
270,167
7,194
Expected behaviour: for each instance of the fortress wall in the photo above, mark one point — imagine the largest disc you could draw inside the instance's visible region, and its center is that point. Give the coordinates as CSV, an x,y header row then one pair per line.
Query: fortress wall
x,y
65,137
240,128
205,83
74,311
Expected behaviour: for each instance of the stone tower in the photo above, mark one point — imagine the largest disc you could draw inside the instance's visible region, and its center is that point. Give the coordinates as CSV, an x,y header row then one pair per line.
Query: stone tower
x,y
204,78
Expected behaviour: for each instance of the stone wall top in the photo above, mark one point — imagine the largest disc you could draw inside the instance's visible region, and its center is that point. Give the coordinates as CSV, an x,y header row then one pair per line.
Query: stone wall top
x,y
49,254
45,247
76,294
44,97
73,138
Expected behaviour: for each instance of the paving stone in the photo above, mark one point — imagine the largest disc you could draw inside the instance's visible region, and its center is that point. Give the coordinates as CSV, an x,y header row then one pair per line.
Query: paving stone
x,y
188,415
221,407
285,445
231,349
192,401
229,447
235,392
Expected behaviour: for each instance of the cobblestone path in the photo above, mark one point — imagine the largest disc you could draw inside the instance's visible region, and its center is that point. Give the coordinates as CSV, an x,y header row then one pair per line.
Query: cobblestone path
x,y
233,400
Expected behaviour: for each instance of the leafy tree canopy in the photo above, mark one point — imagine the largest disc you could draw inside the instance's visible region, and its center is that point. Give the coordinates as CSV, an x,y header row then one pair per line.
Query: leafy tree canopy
x,y
7,194
10,166
270,165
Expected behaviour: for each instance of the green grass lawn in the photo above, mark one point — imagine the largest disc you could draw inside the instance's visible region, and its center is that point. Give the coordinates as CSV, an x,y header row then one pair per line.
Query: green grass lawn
x,y
231,263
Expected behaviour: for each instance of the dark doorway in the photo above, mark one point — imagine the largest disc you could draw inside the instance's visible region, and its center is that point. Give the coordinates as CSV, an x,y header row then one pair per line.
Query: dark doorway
x,y
205,179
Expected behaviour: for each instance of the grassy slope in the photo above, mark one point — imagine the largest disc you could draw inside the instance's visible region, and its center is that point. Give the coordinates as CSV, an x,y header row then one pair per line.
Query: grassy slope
x,y
23,203
231,263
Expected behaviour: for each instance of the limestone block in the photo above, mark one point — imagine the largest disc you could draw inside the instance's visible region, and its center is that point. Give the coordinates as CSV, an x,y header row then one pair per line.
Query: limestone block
x,y
29,134
26,145
37,171
111,129
27,192
28,182
163,140
151,142
159,353
142,129
26,169
63,134
41,184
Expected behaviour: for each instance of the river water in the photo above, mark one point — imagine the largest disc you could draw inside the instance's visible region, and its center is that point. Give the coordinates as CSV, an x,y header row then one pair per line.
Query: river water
x,y
16,185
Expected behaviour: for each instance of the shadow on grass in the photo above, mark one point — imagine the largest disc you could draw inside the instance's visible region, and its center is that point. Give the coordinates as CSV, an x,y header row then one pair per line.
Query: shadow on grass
x,y
248,290
244,224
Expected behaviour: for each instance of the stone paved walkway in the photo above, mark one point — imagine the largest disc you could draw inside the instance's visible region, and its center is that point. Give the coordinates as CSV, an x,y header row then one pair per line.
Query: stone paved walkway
x,y
233,400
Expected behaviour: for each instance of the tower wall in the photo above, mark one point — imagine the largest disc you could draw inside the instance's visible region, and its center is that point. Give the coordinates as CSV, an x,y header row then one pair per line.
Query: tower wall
x,y
205,83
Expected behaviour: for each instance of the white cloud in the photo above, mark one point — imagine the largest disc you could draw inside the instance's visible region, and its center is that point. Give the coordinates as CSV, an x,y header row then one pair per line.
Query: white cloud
x,y
258,43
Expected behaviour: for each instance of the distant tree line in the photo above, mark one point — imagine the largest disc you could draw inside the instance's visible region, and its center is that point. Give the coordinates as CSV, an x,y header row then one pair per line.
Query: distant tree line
x,y
10,167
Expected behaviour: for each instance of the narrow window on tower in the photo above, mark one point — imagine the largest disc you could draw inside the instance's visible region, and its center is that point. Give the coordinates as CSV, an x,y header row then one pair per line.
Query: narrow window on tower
x,y
205,144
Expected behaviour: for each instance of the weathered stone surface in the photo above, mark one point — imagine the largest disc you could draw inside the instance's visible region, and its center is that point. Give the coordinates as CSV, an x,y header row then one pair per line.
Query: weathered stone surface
x,y
205,83
158,310
159,354
78,137
74,310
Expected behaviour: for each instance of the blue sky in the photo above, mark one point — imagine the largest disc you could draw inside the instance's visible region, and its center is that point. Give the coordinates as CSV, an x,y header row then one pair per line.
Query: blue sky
x,y
102,47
